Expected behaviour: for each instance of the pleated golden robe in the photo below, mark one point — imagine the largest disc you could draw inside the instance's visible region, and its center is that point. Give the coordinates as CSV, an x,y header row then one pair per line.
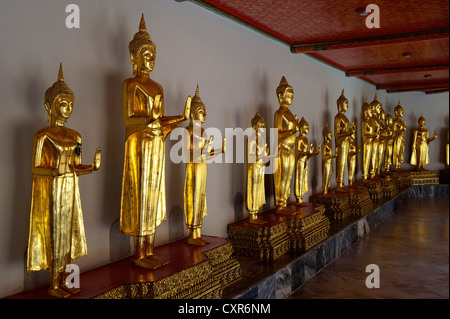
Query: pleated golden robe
x,y
56,221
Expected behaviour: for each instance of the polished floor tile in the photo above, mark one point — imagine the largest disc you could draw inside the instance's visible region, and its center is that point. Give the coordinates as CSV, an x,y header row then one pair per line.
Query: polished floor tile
x,y
411,250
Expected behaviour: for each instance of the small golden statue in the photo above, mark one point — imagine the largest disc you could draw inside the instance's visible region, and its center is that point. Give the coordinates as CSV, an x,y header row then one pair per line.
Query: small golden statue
x,y
287,125
399,128
368,135
143,200
342,132
353,151
302,156
195,208
419,154
327,157
389,127
257,153
383,136
56,221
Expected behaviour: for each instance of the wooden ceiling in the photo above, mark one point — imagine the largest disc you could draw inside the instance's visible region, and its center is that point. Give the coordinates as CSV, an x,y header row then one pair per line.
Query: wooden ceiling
x,y
408,52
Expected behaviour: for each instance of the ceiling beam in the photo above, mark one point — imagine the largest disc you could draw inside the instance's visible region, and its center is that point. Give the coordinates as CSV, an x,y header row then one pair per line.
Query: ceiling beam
x,y
413,86
371,41
436,91
438,67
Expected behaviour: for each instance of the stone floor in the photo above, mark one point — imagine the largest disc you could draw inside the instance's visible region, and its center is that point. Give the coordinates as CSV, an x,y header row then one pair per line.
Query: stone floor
x,y
411,249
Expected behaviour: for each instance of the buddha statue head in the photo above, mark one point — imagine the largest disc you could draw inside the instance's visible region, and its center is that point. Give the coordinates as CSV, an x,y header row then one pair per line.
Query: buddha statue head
x,y
398,110
376,106
198,109
342,103
366,110
304,126
258,122
327,134
389,120
59,100
285,93
421,121
142,51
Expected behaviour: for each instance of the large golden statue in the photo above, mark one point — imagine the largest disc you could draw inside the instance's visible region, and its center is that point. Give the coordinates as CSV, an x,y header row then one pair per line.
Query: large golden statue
x,y
327,157
377,127
302,155
399,128
389,129
421,139
367,135
257,153
287,125
143,200
195,208
56,221
342,132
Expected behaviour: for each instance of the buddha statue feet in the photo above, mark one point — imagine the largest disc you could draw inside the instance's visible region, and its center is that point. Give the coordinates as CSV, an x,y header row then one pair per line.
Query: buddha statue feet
x,y
197,241
283,210
72,290
342,189
150,262
58,293
254,220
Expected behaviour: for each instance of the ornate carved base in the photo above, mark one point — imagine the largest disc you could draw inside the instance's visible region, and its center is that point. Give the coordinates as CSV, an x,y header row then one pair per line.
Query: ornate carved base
x,y
280,233
424,177
360,201
374,186
401,178
225,268
337,204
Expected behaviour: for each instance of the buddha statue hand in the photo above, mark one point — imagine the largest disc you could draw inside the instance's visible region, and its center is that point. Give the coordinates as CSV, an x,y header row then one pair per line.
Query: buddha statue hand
x,y
97,159
187,108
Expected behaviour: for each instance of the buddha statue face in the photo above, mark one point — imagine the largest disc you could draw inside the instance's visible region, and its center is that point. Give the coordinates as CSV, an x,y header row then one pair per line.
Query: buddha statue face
x,y
145,59
367,111
286,97
200,114
399,112
343,105
61,108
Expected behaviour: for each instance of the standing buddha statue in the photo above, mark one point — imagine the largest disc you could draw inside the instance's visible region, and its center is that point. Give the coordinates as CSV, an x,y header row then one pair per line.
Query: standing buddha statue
x,y
327,157
287,125
342,132
195,208
368,136
399,128
56,221
389,127
302,155
420,147
143,199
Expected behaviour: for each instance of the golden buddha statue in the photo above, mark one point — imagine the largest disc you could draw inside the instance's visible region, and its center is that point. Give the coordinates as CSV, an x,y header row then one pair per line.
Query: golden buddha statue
x,y
302,155
143,200
342,132
399,128
368,135
389,144
421,139
287,125
195,208
257,153
327,157
56,221
353,151
377,127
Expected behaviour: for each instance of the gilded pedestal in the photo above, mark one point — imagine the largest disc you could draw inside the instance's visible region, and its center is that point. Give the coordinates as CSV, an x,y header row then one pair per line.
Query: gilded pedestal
x,y
337,204
360,201
424,177
280,233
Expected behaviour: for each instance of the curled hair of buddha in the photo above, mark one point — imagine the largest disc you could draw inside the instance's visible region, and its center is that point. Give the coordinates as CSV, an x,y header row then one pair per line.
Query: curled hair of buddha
x,y
59,87
375,102
282,86
365,107
196,103
257,119
140,39
421,119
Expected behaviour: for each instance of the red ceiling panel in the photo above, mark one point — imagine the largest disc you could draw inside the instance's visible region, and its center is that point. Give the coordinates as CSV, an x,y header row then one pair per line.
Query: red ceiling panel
x,y
336,33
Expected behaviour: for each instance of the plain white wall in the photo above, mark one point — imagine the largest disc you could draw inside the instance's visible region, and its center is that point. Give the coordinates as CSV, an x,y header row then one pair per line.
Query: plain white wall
x,y
237,70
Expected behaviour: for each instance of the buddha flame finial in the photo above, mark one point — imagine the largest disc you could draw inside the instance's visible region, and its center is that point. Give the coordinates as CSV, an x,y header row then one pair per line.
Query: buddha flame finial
x,y
142,26
60,73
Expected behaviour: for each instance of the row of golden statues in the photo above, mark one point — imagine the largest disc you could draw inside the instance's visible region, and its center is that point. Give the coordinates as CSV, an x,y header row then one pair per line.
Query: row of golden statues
x,y
56,223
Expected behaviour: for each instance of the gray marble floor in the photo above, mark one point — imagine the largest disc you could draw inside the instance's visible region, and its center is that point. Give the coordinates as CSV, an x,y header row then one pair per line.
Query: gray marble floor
x,y
410,248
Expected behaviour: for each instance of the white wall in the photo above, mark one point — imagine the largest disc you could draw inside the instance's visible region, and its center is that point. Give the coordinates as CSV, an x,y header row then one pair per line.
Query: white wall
x,y
237,69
